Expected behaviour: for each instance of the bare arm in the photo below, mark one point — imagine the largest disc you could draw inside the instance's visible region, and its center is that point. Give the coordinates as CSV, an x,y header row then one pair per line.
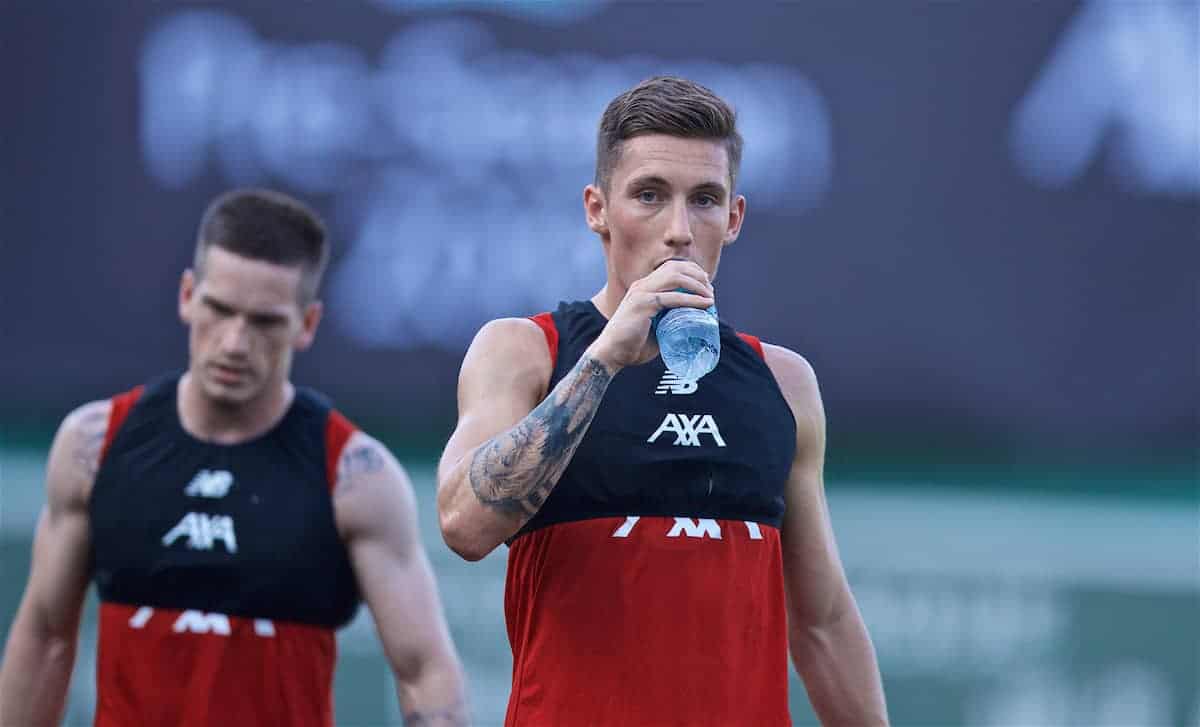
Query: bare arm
x,y
829,643
40,652
513,440
508,450
376,516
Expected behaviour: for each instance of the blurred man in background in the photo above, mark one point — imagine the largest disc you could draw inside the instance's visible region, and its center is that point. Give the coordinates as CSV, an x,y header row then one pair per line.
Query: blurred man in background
x,y
669,540
231,520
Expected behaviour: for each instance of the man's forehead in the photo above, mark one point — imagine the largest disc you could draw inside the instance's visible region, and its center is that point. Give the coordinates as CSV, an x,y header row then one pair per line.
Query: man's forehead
x,y
251,285
249,300
676,159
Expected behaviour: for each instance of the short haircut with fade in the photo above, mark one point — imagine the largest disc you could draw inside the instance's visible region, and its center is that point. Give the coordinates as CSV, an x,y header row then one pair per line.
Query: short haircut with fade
x,y
665,105
261,224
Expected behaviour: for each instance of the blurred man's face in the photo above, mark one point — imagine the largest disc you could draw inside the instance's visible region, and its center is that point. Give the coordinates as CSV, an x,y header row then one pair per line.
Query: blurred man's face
x,y
668,197
245,320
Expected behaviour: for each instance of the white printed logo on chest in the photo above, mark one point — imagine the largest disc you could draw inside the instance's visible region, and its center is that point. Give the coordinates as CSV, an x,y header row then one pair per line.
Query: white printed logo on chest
x,y
687,429
672,384
203,531
210,483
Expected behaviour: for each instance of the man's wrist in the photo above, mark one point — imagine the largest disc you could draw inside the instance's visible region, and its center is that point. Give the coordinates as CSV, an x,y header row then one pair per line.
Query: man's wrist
x,y
601,356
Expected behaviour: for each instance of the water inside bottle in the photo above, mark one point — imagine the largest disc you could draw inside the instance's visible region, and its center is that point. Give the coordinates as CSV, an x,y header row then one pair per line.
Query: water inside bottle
x,y
690,358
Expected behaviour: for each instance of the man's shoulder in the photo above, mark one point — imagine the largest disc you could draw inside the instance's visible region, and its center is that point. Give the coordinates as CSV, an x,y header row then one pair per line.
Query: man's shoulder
x,y
76,453
509,330
362,454
87,418
370,488
520,343
791,370
798,384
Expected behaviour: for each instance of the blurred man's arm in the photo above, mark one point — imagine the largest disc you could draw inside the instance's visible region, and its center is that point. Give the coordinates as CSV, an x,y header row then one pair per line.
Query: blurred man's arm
x,y
508,450
826,635
41,642
376,515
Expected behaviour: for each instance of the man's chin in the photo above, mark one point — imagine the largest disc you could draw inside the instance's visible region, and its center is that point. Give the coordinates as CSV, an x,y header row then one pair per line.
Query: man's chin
x,y
228,395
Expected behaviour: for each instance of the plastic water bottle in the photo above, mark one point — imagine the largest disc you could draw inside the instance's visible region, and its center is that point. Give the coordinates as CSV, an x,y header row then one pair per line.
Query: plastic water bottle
x,y
689,340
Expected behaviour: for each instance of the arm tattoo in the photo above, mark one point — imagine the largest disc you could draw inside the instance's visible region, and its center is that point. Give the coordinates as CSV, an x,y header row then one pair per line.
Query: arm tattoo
x,y
454,715
93,426
514,472
361,460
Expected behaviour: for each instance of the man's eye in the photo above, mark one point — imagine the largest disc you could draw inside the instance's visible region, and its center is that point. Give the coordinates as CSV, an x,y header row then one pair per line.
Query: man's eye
x,y
648,196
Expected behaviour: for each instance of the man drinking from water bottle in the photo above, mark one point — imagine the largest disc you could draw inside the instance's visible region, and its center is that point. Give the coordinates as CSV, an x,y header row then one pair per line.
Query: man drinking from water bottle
x,y
669,539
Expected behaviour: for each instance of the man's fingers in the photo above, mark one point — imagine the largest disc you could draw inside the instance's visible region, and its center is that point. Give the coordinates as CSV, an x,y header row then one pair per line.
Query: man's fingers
x,y
672,280
688,269
674,299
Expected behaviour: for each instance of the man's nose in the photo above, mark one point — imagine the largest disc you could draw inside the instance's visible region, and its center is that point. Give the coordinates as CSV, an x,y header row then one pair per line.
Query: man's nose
x,y
235,339
679,227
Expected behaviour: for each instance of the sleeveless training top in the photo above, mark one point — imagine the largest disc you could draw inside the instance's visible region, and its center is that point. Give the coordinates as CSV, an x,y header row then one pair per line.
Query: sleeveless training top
x,y
220,570
648,589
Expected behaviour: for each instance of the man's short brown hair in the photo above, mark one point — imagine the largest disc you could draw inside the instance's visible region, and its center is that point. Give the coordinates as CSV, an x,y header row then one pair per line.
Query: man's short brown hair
x,y
261,224
665,105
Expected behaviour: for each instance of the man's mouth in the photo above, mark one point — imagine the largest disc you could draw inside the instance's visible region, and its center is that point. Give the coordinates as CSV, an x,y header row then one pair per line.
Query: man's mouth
x,y
228,374
660,263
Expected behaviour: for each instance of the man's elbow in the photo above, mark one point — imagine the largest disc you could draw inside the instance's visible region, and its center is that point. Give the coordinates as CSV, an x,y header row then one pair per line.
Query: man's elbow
x,y
33,648
808,643
462,536
810,629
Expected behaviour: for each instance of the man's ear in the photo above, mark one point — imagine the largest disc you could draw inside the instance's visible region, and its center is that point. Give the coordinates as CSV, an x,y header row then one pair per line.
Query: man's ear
x,y
737,215
595,207
187,291
308,331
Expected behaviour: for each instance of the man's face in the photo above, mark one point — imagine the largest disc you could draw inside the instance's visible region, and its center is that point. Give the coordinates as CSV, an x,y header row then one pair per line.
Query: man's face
x,y
245,320
668,197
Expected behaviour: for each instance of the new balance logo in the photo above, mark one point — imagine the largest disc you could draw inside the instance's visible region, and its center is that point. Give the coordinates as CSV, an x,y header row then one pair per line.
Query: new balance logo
x,y
209,483
687,429
672,384
203,531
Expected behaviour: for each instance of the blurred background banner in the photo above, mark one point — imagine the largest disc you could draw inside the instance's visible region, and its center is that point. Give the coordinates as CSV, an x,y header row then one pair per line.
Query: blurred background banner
x,y
979,221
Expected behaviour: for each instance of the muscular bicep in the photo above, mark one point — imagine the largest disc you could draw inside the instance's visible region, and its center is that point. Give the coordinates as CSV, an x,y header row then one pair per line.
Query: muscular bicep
x,y
59,568
376,514
504,376
815,579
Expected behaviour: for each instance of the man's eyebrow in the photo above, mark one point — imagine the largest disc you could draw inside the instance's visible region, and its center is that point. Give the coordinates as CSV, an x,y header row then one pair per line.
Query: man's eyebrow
x,y
264,315
714,188
267,316
209,299
649,180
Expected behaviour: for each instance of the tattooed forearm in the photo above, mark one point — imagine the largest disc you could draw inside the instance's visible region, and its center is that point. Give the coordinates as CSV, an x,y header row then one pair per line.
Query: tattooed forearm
x,y
454,715
515,471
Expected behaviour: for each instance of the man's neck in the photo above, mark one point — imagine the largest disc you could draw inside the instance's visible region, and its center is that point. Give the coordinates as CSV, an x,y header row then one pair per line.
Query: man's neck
x,y
608,299
214,422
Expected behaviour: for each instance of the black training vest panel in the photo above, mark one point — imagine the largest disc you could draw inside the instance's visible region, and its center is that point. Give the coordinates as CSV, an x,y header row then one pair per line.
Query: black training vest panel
x,y
288,561
617,471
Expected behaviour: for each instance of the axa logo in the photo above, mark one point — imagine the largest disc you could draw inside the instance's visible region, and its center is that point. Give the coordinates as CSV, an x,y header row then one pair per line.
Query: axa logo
x,y
210,483
202,531
672,384
687,429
